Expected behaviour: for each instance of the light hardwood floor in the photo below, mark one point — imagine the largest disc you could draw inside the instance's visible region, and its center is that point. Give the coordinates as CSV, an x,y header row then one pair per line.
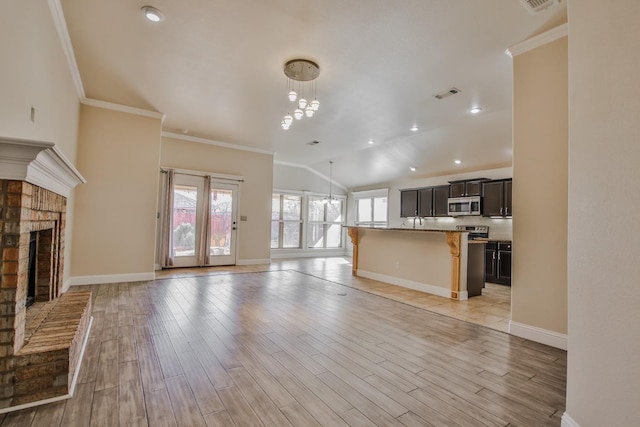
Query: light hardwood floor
x,y
288,344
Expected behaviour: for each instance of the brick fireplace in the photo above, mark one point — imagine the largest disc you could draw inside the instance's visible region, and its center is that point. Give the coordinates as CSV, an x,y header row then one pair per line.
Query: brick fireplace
x,y
41,346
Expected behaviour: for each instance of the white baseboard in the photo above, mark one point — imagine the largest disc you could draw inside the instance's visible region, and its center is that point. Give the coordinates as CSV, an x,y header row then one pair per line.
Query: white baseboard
x,y
567,421
157,267
418,286
71,388
253,261
543,336
66,285
111,278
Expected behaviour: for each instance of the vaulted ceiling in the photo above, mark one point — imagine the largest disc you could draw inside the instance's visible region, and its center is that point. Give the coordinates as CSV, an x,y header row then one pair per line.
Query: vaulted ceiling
x,y
215,68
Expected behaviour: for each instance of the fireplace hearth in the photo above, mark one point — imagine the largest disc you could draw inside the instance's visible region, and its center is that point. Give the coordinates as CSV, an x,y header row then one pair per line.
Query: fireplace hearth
x,y
37,361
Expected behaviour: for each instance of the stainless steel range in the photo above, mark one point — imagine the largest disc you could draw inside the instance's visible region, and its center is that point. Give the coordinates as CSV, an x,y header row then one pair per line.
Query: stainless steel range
x,y
475,231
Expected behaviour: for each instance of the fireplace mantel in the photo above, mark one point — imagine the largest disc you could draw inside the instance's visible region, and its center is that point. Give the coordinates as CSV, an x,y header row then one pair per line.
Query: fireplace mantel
x,y
40,163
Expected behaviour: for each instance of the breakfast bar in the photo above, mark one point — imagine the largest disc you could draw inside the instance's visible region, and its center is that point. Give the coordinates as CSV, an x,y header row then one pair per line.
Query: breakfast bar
x,y
432,261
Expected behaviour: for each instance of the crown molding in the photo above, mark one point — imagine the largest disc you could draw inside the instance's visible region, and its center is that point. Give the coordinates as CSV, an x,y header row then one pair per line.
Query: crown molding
x,y
539,40
61,27
216,143
40,163
123,108
313,171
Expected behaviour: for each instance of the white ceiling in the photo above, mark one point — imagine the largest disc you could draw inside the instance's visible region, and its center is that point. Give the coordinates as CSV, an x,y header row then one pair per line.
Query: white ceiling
x,y
215,68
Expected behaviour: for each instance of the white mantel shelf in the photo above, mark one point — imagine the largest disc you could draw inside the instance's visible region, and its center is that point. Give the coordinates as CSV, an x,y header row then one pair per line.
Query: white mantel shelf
x,y
40,163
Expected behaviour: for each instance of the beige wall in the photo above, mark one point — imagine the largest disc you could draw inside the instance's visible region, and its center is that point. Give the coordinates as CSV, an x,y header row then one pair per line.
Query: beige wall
x,y
254,235
603,386
35,74
294,178
115,222
540,147
418,257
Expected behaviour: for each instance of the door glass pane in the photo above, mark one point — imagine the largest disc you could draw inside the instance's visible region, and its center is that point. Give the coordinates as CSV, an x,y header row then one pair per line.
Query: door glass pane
x,y
291,207
364,210
185,199
291,235
334,236
221,222
380,209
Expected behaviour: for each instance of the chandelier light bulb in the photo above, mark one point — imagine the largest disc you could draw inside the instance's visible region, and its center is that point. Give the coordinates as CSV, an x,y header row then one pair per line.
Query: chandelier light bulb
x,y
308,111
315,105
293,96
298,114
284,125
302,103
288,119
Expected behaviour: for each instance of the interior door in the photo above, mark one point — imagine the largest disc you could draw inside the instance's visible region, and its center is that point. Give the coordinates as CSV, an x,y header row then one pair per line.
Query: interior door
x,y
187,219
224,206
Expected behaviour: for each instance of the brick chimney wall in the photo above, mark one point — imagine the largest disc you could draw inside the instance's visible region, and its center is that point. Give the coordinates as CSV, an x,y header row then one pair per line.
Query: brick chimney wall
x,y
25,208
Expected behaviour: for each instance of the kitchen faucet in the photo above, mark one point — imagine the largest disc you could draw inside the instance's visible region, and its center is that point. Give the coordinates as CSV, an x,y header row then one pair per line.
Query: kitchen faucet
x,y
414,220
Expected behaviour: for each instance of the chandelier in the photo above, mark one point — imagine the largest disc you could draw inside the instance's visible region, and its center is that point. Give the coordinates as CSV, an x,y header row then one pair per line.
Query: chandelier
x,y
330,198
301,86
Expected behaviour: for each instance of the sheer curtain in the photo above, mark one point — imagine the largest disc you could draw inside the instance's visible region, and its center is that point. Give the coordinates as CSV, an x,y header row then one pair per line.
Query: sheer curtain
x,y
205,230
167,226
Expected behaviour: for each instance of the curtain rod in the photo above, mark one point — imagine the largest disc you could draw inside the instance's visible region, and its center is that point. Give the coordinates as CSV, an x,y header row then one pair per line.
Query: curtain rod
x,y
202,174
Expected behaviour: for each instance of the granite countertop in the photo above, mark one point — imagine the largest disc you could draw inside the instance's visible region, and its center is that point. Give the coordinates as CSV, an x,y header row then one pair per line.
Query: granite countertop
x,y
429,230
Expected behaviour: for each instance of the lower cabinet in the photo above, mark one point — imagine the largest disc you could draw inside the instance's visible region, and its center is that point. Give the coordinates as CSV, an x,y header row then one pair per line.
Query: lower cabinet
x,y
497,262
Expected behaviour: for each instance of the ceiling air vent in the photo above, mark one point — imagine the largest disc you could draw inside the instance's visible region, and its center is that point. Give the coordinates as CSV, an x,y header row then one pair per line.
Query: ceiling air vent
x,y
537,6
447,93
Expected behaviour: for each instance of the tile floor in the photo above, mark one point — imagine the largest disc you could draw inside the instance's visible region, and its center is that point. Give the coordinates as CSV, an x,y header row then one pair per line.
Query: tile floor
x,y
491,309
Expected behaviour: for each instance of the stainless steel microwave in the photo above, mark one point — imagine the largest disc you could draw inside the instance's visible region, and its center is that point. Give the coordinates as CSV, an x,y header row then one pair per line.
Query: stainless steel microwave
x,y
459,206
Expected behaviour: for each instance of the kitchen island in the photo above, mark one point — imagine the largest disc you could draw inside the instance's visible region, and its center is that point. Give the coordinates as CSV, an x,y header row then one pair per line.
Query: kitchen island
x,y
432,261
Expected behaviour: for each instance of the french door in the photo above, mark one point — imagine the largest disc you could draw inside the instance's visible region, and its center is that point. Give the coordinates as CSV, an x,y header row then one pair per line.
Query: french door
x,y
204,223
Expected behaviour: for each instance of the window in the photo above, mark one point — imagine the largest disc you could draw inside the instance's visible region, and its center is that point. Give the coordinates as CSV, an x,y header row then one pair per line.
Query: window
x,y
371,208
286,221
325,223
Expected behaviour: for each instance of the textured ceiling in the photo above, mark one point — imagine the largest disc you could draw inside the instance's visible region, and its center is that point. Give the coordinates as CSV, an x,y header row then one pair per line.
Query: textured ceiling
x,y
215,68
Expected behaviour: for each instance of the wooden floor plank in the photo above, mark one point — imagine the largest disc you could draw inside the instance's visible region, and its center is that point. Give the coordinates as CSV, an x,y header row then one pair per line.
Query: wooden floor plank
x,y
278,345
237,407
185,408
255,396
104,411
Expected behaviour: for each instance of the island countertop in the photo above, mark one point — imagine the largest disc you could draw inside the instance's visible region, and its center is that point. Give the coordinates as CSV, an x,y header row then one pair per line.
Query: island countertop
x,y
429,230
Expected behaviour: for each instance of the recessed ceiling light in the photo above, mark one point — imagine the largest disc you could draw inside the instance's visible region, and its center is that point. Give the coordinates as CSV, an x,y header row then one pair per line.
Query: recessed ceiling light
x,y
414,128
371,141
457,162
152,14
475,110
412,169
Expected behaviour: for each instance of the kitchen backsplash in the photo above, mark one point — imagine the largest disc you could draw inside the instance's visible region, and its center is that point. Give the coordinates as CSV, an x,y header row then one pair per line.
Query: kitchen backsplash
x,y
499,228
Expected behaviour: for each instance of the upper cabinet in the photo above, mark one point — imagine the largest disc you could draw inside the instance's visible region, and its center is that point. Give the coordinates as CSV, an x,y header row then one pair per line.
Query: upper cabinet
x,y
465,188
497,198
408,203
424,202
433,201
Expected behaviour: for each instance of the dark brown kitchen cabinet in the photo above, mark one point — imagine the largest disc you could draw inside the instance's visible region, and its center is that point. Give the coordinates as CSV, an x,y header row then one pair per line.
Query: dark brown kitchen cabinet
x,y
497,198
498,262
432,201
408,203
465,188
